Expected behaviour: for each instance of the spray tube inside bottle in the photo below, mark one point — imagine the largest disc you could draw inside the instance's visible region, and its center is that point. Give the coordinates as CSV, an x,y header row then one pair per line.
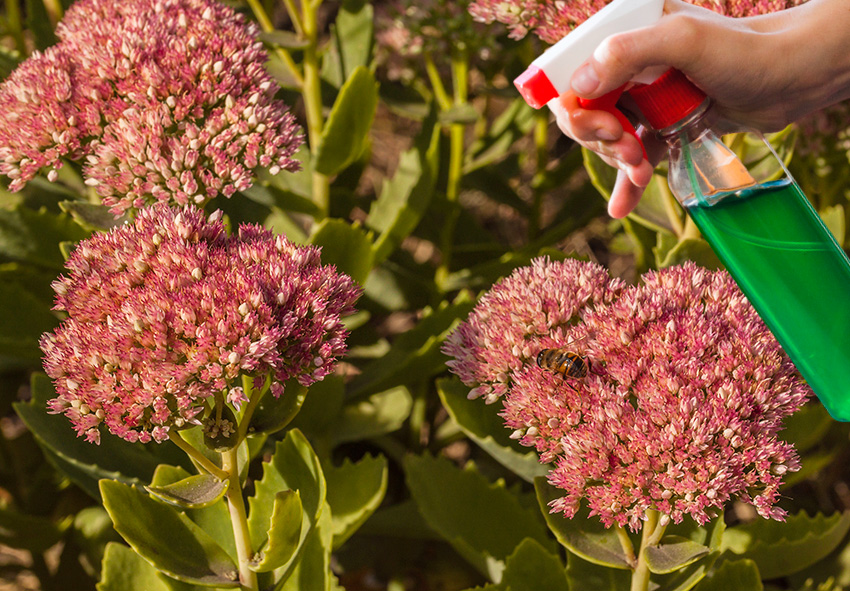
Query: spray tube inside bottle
x,y
757,220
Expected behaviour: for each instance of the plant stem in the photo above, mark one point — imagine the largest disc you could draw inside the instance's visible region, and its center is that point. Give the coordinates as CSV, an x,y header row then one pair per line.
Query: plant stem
x,y
239,520
311,93
626,545
254,397
460,78
541,150
650,536
197,457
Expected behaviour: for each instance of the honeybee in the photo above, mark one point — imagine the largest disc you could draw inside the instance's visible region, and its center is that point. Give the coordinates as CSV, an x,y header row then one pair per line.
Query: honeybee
x,y
565,362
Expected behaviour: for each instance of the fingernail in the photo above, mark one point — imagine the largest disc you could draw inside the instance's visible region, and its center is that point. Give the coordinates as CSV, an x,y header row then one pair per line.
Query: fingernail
x,y
605,135
585,80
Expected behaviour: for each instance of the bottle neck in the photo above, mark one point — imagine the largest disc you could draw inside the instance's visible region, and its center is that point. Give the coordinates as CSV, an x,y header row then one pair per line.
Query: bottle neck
x,y
688,128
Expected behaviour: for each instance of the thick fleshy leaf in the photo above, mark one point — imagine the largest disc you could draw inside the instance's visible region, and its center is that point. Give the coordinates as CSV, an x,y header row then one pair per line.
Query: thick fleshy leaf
x,y
23,319
513,123
273,414
584,536
347,127
583,575
114,458
284,532
740,575
532,567
652,211
39,25
355,489
780,549
313,570
167,539
711,536
192,492
481,423
213,519
124,570
353,35
294,466
379,414
344,245
691,249
33,236
404,198
415,353
834,219
460,505
674,553
91,215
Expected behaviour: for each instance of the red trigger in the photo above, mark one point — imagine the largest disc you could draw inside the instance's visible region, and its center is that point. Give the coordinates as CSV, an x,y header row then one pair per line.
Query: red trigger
x,y
608,102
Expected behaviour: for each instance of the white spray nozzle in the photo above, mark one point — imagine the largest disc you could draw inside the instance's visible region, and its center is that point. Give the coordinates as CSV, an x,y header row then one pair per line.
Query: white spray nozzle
x,y
549,75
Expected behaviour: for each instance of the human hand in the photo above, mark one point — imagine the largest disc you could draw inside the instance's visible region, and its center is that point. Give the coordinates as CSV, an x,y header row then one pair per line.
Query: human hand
x,y
759,71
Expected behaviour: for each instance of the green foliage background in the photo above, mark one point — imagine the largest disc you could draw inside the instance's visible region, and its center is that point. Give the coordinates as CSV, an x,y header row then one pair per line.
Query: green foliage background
x,y
425,188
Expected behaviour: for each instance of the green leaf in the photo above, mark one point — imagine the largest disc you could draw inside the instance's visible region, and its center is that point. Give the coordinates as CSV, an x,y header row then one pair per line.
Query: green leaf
x,y
416,353
273,414
294,466
353,35
39,24
114,458
582,535
379,414
354,492
687,577
124,570
482,423
780,549
673,553
284,532
284,39
92,216
347,127
834,218
313,571
587,576
192,492
652,211
741,575
213,518
807,427
532,567
462,114
691,249
23,319
169,540
34,236
461,505
514,123
405,197
344,245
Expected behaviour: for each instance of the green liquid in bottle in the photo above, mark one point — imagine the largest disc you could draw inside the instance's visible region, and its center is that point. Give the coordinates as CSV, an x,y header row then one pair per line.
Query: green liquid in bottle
x,y
795,275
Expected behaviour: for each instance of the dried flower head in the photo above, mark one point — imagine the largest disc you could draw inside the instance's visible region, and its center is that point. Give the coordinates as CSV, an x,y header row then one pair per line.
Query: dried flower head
x,y
551,20
534,308
165,100
168,310
679,413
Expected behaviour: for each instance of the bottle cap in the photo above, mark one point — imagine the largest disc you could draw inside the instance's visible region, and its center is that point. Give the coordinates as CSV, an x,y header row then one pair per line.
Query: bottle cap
x,y
668,100
535,87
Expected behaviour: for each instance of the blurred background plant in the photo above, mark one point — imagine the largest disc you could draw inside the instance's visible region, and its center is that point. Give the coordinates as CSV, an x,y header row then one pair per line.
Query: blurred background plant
x,y
425,178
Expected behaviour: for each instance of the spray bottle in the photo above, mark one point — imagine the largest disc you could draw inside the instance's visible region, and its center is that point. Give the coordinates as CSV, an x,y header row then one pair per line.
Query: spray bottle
x,y
757,220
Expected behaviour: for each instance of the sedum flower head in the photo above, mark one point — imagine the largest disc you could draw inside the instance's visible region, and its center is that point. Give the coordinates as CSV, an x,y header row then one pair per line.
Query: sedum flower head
x,y
551,20
164,100
534,308
679,412
169,310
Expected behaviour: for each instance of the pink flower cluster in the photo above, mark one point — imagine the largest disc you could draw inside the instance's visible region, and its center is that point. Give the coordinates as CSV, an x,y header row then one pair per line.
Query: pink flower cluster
x,y
551,20
679,412
533,309
168,310
165,100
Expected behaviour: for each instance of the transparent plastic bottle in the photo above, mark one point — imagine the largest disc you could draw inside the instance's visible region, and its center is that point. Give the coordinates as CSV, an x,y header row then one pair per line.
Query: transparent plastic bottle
x,y
766,233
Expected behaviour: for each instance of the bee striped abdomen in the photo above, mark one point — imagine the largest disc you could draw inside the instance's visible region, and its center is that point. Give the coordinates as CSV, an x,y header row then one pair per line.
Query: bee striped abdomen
x,y
564,362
